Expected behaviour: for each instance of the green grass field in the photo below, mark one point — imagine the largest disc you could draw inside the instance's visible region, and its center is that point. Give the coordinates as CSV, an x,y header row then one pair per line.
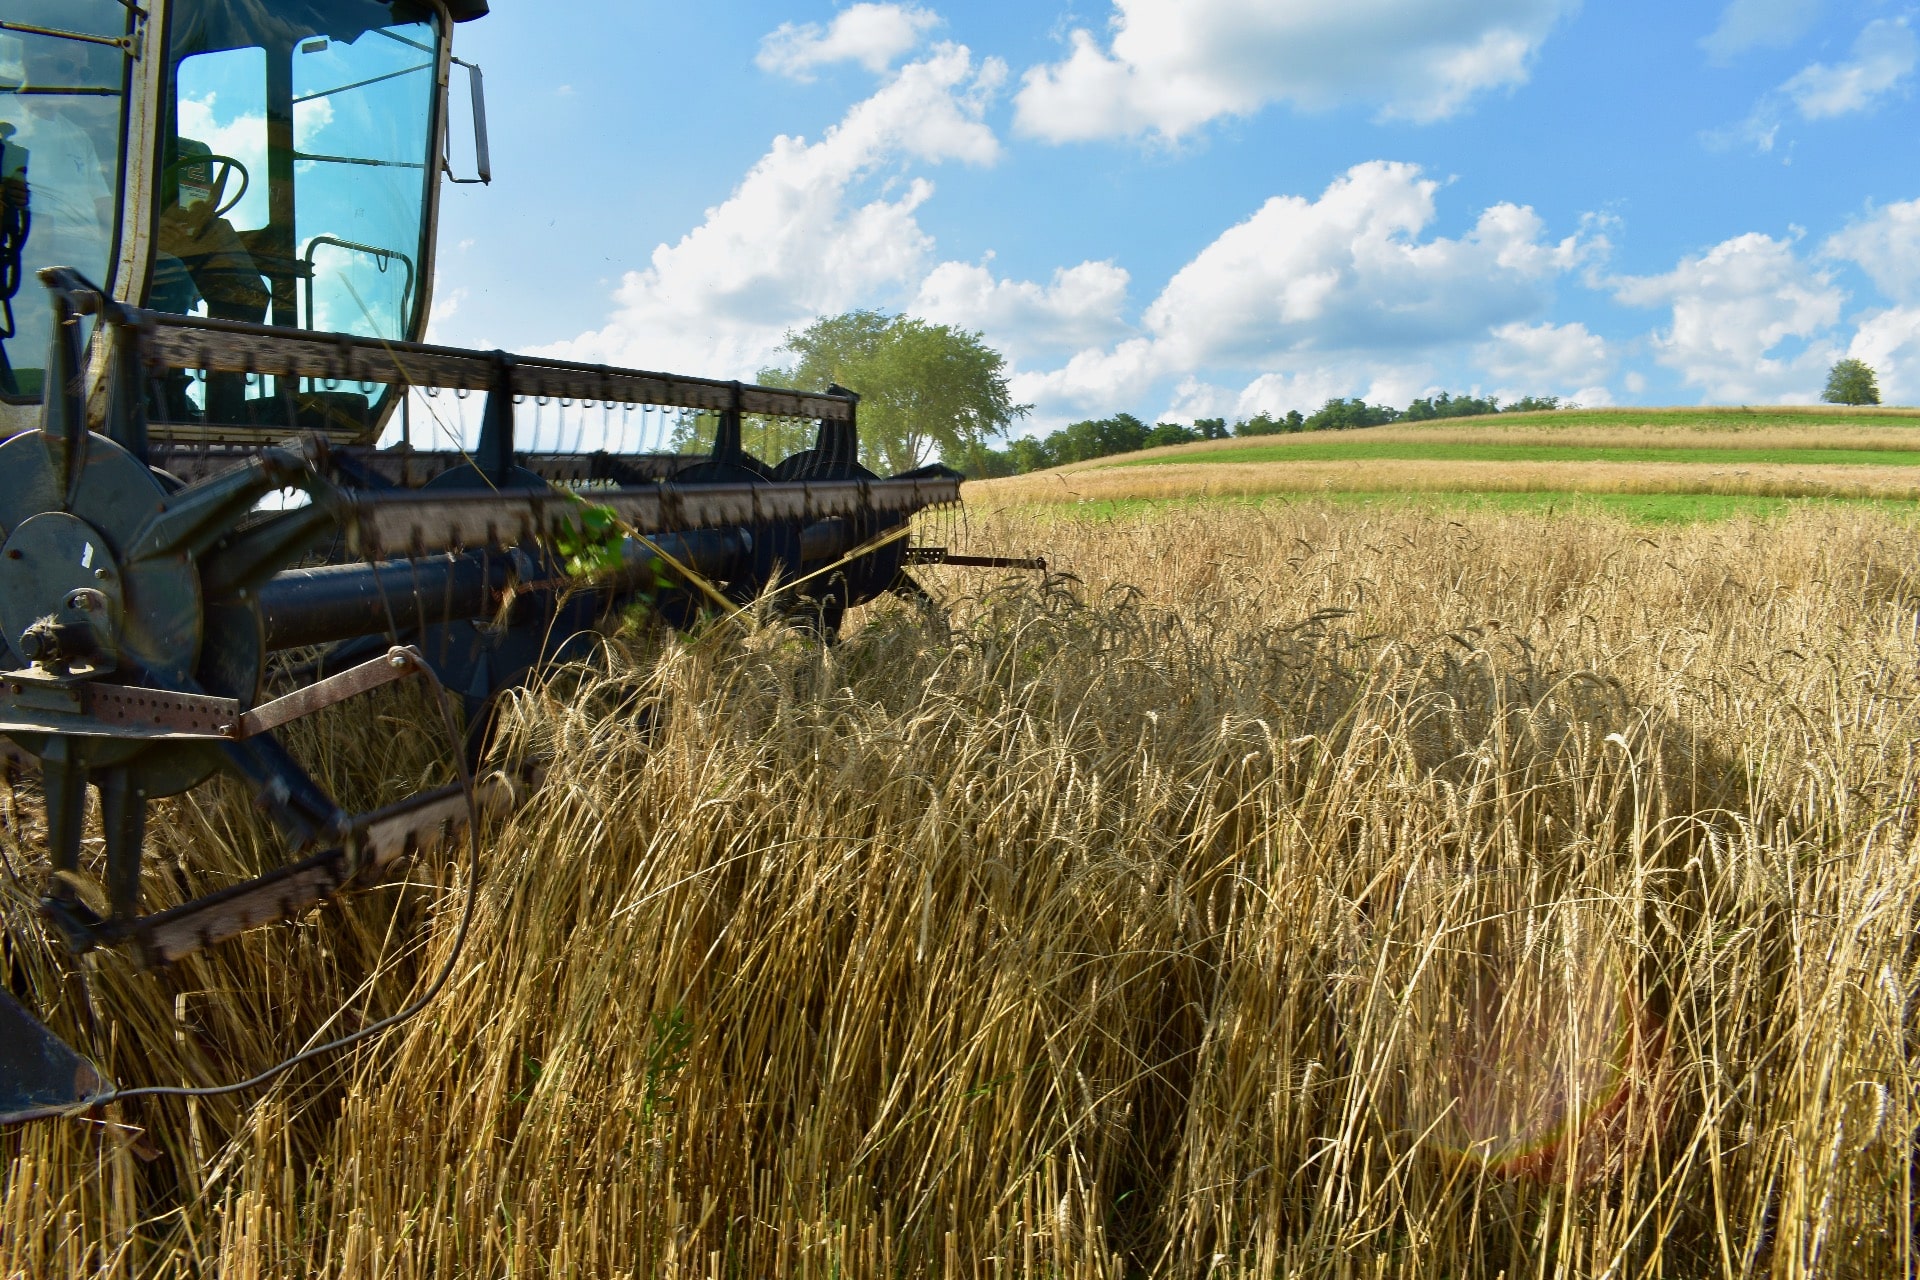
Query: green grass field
x,y
1656,466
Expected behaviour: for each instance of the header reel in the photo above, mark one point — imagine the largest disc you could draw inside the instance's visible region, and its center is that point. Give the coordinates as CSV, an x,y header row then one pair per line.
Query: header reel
x,y
145,588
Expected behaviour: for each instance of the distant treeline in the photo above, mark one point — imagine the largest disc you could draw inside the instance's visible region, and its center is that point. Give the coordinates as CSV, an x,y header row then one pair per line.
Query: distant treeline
x,y
1124,433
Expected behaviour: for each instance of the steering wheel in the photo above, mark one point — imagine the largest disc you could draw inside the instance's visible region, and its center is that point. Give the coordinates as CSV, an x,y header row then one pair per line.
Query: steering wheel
x,y
228,167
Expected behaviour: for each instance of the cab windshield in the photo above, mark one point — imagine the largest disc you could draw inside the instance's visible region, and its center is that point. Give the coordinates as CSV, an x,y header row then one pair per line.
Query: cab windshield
x,y
63,73
295,168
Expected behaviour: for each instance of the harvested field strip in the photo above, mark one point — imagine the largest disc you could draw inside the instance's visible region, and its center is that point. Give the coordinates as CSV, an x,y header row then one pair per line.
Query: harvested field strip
x,y
1185,479
1642,508
1359,447
1159,922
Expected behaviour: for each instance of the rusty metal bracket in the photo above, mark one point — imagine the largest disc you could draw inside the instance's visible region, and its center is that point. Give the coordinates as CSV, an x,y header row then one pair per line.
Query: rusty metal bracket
x,y
33,702
397,663
37,702
151,713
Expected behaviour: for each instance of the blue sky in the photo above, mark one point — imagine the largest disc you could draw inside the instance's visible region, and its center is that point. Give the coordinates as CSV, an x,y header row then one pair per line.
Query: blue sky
x,y
1187,208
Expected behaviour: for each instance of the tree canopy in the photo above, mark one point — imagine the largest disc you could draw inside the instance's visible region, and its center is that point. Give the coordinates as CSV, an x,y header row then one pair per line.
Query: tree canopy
x,y
1124,433
925,389
1851,382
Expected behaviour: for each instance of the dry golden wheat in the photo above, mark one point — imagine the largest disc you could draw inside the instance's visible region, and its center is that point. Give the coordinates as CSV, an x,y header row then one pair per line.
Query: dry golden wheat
x,y
1289,892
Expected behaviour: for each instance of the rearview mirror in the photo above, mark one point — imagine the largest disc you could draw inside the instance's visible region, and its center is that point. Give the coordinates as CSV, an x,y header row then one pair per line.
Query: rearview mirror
x,y
482,155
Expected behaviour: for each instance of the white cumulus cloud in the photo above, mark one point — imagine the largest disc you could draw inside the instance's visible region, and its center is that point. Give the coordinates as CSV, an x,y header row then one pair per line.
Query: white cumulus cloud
x,y
1083,306
1884,57
1751,24
445,307
873,35
1093,381
1352,271
1170,66
1347,293
814,228
1751,321
1542,359
1886,245
1889,341
1270,393
1305,388
243,136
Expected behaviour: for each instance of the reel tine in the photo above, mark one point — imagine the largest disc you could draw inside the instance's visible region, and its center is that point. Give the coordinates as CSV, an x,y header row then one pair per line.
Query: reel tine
x,y
40,1074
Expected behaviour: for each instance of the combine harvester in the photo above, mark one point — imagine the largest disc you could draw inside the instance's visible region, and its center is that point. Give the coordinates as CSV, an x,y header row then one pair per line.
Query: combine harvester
x,y
163,611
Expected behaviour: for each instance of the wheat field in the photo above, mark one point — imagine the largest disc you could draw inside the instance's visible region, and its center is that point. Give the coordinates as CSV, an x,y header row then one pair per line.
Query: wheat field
x,y
1285,891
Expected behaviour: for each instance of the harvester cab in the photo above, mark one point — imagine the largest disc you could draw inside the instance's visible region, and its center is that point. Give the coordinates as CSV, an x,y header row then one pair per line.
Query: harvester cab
x,y
270,164
231,206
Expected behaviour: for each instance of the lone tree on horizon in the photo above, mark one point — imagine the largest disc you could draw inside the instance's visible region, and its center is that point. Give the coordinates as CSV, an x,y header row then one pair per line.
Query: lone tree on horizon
x,y
1851,382
925,388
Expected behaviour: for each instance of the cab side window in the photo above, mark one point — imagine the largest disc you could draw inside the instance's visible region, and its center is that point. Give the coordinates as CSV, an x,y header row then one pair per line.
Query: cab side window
x,y
62,90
